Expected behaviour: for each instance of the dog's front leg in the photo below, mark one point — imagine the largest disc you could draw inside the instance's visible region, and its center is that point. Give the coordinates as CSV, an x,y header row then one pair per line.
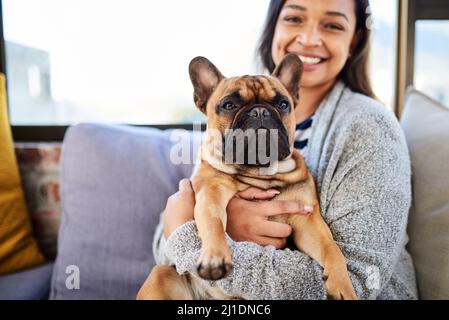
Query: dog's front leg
x,y
313,236
212,198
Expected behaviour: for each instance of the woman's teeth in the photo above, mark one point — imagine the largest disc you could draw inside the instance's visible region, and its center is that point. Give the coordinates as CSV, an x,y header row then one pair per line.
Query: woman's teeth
x,y
310,60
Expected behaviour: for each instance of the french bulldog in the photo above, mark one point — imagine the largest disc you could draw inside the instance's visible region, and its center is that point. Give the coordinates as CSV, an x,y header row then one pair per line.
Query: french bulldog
x,y
235,106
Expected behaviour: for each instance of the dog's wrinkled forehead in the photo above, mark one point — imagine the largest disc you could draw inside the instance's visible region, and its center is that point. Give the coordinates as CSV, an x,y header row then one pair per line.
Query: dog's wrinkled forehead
x,y
254,88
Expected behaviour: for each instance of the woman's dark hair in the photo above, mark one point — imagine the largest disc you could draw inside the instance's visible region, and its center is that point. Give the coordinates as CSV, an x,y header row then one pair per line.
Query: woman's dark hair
x,y
355,72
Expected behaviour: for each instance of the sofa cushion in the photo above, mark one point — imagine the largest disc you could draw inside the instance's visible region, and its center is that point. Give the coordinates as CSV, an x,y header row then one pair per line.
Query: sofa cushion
x,y
18,248
115,181
30,284
426,126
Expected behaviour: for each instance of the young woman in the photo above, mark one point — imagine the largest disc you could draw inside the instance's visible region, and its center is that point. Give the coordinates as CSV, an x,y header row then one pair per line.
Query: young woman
x,y
356,152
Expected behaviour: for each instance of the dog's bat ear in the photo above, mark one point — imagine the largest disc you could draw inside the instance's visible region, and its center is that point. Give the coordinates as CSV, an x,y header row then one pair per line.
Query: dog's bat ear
x,y
205,78
289,72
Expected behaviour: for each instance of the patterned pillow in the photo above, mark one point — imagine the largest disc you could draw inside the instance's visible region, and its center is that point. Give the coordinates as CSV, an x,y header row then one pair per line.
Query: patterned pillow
x,y
39,168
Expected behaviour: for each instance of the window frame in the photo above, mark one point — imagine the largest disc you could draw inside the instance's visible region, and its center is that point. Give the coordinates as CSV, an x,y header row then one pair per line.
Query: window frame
x,y
57,133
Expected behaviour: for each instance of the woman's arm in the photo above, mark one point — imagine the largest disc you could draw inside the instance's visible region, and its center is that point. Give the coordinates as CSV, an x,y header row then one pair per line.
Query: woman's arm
x,y
367,214
159,244
180,206
258,273
253,226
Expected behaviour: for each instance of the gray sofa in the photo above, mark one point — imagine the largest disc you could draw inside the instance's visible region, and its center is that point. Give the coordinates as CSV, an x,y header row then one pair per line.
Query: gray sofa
x,y
32,284
115,181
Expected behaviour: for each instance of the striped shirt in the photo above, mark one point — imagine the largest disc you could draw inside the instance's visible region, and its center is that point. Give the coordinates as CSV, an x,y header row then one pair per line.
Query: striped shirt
x,y
302,135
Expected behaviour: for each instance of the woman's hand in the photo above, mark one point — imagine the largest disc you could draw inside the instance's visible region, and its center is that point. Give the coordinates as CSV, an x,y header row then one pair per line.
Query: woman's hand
x,y
179,209
248,220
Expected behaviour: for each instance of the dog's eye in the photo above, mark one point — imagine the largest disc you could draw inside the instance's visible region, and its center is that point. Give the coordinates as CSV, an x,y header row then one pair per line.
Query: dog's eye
x,y
228,105
283,105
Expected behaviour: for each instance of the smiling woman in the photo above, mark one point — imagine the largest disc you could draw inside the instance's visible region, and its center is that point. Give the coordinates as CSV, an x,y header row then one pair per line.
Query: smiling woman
x,y
357,156
64,75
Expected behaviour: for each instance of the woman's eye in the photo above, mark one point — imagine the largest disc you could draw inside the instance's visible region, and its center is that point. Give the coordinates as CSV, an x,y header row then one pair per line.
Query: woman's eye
x,y
293,19
228,105
283,105
334,27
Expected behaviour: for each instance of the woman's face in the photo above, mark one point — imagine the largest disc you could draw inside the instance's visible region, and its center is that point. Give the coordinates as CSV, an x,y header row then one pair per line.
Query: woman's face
x,y
320,33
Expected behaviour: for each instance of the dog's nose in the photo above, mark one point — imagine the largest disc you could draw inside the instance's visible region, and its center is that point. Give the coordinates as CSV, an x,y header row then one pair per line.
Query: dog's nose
x,y
259,112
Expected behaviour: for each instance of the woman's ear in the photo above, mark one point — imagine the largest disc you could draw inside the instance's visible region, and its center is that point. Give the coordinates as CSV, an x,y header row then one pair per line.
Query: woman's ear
x,y
289,72
205,78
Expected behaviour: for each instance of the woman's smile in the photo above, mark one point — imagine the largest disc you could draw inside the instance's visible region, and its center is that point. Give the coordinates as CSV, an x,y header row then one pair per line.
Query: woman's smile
x,y
311,61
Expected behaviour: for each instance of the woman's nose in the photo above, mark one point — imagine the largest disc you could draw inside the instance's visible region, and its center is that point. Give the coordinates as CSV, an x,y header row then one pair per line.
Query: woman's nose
x,y
309,37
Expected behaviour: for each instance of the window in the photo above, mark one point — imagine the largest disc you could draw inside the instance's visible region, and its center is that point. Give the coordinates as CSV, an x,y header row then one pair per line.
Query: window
x,y
120,61
126,62
383,52
424,29
431,62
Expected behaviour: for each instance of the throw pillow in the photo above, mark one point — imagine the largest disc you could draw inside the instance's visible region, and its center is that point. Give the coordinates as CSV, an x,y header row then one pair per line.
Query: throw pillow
x,y
18,248
426,126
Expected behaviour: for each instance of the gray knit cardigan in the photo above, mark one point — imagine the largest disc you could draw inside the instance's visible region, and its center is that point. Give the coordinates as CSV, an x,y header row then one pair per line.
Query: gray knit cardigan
x,y
360,162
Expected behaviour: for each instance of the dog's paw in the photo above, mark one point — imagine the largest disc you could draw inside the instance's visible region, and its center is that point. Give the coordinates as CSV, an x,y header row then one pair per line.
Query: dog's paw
x,y
339,287
214,264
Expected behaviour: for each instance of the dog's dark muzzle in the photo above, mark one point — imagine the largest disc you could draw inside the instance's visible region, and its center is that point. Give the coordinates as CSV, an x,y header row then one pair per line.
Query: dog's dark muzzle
x,y
258,138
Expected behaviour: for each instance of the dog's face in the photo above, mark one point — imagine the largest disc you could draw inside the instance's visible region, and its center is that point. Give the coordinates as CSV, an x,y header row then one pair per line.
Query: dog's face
x,y
249,109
